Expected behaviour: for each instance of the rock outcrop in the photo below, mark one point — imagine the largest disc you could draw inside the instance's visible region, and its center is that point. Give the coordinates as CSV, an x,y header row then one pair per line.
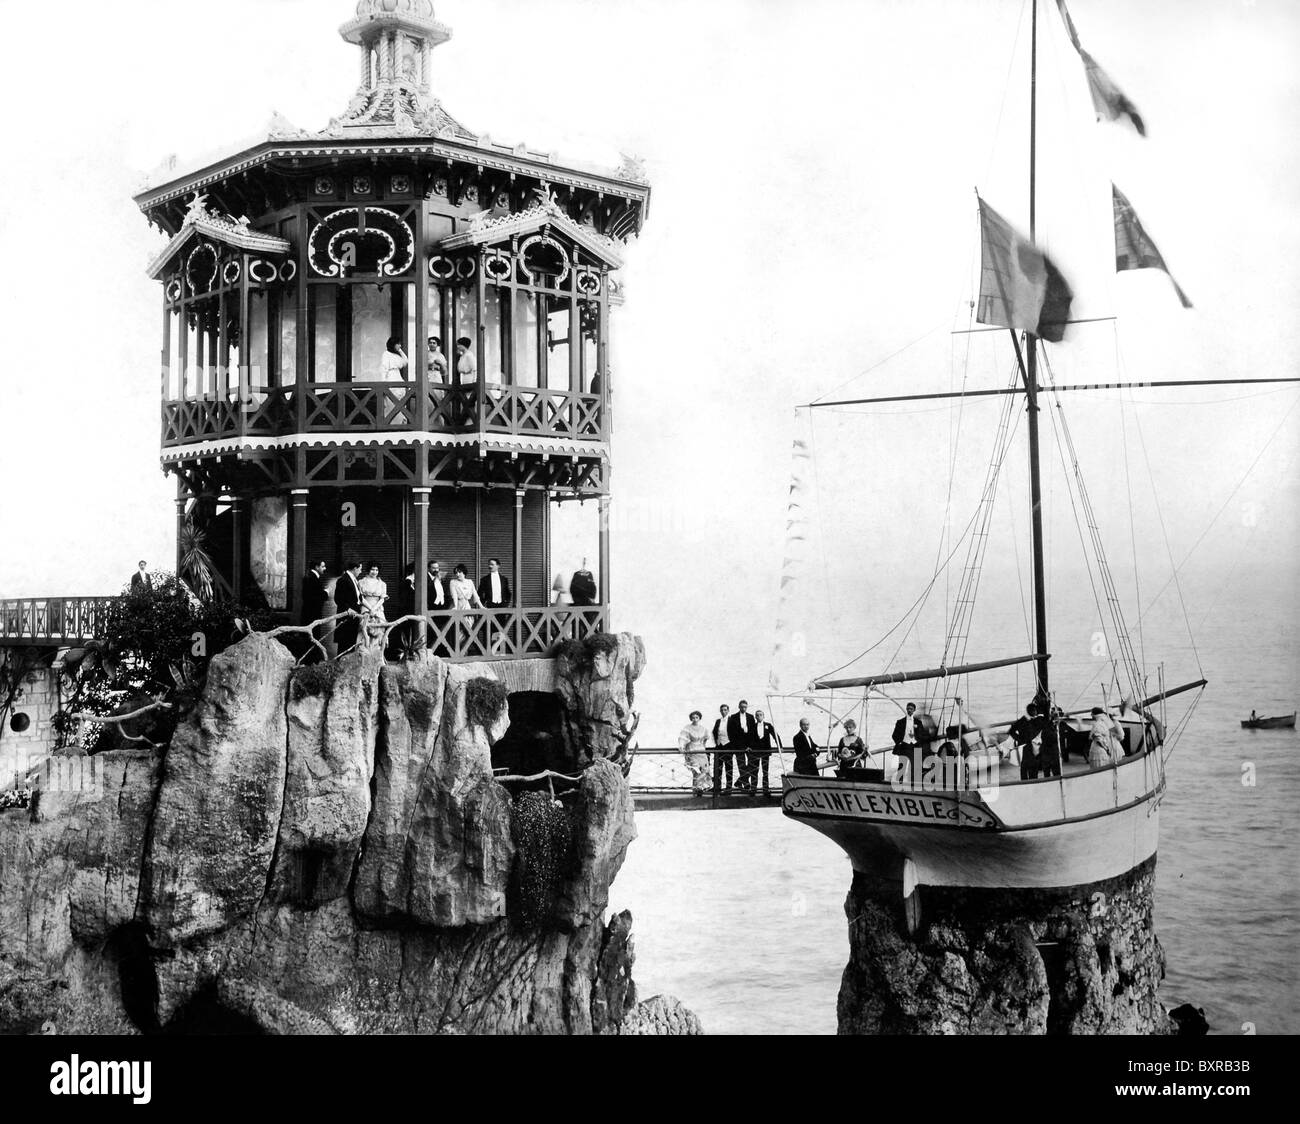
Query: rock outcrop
x,y
326,850
1083,961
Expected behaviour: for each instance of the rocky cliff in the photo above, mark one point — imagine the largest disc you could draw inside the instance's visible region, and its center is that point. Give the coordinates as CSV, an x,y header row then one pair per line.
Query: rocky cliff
x,y
1081,961
325,849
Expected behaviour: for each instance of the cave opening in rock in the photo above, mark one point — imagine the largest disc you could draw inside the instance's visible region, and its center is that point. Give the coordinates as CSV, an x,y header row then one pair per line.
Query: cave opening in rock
x,y
204,1013
535,740
1056,966
128,945
306,867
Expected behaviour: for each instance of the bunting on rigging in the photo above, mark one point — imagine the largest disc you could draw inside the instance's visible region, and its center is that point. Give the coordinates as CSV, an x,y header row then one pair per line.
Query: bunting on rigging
x,y
1133,246
1107,98
795,538
1020,287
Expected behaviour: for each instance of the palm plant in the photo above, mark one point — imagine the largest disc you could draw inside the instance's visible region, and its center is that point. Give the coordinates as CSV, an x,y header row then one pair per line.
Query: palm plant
x,y
196,564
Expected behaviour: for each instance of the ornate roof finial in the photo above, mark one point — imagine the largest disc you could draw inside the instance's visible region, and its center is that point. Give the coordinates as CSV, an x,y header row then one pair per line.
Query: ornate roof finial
x,y
396,40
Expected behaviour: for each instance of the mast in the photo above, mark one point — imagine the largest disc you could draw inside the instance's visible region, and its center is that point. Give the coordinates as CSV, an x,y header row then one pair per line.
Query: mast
x,y
1031,387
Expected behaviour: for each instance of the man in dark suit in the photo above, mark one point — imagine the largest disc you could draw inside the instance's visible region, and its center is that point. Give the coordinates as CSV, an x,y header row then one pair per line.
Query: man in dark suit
x,y
742,734
906,736
347,595
141,582
805,751
1023,732
493,589
722,750
314,597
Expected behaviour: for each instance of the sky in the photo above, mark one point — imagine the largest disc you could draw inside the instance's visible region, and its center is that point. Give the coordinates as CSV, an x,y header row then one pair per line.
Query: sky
x,y
811,233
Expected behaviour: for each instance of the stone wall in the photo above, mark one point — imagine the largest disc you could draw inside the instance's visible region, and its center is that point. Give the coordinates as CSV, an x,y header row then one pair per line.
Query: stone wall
x,y
326,849
39,700
1082,960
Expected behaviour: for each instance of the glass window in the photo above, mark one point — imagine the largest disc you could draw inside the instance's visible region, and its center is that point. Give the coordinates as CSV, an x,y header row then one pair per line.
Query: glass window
x,y
258,376
525,333
288,337
323,310
557,343
466,298
495,317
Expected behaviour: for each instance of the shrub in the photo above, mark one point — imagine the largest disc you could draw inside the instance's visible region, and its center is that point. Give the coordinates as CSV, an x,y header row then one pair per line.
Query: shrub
x,y
485,701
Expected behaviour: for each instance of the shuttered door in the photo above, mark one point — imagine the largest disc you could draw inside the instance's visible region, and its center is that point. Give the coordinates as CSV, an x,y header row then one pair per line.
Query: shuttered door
x,y
536,587
452,530
324,540
497,535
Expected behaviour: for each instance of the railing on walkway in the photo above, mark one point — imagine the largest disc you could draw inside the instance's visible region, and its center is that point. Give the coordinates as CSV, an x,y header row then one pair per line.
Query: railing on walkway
x,y
68,620
664,771
384,407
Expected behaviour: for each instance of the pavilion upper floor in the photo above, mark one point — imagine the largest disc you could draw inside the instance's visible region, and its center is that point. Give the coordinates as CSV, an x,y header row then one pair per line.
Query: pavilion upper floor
x,y
389,296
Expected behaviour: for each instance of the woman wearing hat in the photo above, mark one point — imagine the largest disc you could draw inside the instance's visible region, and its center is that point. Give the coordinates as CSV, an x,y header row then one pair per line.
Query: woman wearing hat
x,y
851,749
691,741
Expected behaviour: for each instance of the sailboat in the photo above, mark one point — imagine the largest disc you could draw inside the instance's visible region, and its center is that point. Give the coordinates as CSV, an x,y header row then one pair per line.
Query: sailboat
x,y
963,812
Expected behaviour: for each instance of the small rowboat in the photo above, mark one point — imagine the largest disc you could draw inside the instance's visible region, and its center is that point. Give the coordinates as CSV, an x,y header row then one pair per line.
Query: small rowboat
x,y
1280,722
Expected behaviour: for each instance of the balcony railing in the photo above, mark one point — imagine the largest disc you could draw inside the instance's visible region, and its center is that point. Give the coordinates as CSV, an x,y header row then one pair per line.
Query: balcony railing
x,y
505,634
386,407
37,620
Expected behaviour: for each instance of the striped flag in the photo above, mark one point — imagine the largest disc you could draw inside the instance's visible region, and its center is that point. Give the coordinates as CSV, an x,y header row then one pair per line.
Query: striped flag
x,y
1133,246
1020,287
1107,98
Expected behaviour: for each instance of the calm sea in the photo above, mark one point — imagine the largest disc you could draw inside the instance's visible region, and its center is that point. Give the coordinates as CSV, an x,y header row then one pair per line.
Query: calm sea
x,y
740,913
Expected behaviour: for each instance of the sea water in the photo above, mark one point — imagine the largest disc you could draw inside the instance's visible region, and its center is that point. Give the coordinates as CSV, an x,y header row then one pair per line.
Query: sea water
x,y
740,912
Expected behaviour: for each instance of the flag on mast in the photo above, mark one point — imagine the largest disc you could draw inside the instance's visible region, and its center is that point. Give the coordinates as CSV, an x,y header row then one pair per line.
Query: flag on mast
x,y
1107,98
1133,246
1020,287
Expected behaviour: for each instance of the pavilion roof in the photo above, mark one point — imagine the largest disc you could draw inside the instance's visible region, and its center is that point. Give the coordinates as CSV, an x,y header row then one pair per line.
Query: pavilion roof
x,y
487,230
202,223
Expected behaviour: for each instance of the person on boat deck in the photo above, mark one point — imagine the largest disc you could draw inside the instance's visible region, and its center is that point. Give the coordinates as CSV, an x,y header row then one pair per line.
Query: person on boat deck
x,y
1024,730
766,742
691,741
851,750
805,750
905,739
741,733
721,749
1253,716
1153,730
392,368
1104,746
1049,741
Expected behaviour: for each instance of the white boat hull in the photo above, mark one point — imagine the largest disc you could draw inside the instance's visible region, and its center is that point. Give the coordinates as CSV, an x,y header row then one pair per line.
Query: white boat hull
x,y
1061,832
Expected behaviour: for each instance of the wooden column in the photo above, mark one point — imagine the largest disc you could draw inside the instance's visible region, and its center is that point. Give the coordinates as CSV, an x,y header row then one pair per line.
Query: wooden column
x,y
602,356
297,549
221,369
604,598
245,337
420,352
166,350
420,499
480,297
304,341
236,546
517,578
180,521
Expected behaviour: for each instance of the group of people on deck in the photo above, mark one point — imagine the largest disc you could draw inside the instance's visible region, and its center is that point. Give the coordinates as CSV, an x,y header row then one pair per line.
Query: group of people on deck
x,y
1041,737
743,739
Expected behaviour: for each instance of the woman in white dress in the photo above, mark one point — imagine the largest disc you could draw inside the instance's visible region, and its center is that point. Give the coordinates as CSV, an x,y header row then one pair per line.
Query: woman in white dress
x,y
463,598
374,592
691,742
1104,747
393,366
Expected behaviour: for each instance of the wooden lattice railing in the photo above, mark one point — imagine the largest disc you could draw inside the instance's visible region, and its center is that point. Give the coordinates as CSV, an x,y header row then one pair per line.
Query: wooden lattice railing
x,y
381,407
37,620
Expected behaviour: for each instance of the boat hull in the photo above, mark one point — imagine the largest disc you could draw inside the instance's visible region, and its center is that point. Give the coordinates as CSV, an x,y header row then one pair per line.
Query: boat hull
x,y
1281,722
1055,833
